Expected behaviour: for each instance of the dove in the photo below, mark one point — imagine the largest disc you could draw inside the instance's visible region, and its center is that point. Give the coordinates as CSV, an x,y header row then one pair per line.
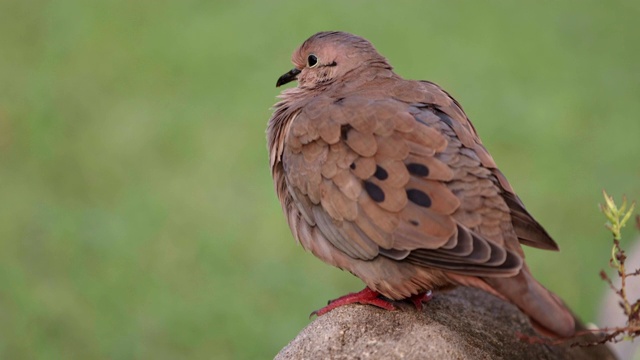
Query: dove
x,y
387,178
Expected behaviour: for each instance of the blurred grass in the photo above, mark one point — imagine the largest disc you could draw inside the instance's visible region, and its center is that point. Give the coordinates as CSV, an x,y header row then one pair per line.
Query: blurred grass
x,y
137,216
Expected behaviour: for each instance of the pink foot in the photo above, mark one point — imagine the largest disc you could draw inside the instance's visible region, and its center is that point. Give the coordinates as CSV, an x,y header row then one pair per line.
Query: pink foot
x,y
418,299
366,296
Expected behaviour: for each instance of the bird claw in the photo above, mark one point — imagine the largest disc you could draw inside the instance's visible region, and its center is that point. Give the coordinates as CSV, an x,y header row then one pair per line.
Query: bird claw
x,y
365,297
420,298
370,297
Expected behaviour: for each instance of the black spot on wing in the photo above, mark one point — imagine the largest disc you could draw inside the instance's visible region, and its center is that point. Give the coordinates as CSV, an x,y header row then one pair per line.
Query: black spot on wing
x,y
381,173
344,131
374,191
418,197
418,169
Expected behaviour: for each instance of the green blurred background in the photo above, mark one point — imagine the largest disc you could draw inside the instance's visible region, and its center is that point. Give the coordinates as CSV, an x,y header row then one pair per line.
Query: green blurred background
x,y
137,214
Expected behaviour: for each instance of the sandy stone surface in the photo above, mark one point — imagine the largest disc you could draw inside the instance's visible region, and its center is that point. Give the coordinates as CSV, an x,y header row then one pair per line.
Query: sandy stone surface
x,y
461,324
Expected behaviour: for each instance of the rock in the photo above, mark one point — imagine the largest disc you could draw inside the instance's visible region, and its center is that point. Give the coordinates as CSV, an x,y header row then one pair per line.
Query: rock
x,y
463,323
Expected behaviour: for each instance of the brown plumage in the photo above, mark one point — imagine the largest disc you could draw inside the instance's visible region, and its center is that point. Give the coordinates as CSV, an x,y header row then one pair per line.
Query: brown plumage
x,y
387,178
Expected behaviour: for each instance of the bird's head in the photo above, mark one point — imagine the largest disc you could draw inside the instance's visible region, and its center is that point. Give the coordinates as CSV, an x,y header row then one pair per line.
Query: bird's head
x,y
328,56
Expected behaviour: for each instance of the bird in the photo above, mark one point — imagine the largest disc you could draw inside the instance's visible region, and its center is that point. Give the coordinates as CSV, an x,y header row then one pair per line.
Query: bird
x,y
388,179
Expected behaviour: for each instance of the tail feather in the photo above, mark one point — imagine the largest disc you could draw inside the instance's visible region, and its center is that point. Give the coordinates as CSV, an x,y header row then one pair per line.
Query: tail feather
x,y
545,309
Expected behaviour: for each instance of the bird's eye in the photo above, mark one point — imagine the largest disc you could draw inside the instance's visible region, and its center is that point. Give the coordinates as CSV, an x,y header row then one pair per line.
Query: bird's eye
x,y
312,60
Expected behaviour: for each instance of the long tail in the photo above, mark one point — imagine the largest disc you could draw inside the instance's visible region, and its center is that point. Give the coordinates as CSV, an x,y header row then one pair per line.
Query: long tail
x,y
548,313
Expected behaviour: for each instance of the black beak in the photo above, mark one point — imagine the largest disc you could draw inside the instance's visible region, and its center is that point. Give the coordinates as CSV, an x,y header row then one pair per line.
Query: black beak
x,y
288,77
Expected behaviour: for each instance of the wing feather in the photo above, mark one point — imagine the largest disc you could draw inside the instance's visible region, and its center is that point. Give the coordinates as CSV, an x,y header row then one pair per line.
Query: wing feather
x,y
407,181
